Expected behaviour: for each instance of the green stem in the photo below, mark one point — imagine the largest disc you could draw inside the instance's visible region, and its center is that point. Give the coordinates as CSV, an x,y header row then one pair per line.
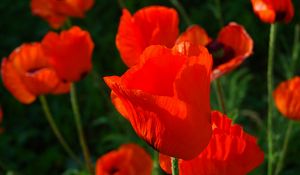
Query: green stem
x,y
272,39
295,53
284,148
182,11
174,162
55,129
155,169
220,95
219,14
80,132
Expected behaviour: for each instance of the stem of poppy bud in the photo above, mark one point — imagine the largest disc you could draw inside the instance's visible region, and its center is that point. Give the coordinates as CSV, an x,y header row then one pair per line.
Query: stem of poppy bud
x,y
174,162
284,148
182,11
56,131
272,39
80,132
220,95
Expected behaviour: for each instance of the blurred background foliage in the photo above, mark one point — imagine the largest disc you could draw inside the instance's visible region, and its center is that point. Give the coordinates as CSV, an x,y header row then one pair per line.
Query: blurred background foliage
x,y
28,145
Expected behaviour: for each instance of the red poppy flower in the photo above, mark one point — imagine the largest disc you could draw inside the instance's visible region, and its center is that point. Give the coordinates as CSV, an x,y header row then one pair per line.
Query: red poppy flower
x,y
70,53
154,25
271,11
166,98
231,151
287,98
129,159
228,51
56,12
27,74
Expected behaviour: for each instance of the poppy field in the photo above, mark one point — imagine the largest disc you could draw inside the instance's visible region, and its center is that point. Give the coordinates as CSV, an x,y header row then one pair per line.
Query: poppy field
x,y
179,87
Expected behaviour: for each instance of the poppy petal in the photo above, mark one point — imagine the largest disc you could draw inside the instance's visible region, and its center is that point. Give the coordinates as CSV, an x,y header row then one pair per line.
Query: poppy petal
x,y
286,97
230,151
149,26
196,35
38,82
46,10
129,159
14,84
264,10
69,65
271,11
241,43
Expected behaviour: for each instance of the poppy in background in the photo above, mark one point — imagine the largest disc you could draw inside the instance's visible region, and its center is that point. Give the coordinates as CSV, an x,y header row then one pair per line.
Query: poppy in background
x,y
56,12
231,151
27,74
229,50
166,98
271,11
70,53
129,159
287,98
153,25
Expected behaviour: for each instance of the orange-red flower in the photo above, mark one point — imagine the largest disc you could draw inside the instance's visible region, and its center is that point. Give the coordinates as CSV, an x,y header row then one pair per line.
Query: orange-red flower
x,y
231,151
26,73
70,53
166,98
287,98
56,12
129,159
271,11
229,50
153,25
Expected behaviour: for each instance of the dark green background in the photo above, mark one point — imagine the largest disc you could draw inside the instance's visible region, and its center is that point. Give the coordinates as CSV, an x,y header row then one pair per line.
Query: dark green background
x,y
29,147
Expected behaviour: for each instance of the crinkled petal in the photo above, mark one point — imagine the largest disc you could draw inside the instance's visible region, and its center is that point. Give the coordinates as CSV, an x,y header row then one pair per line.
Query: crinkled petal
x,y
14,84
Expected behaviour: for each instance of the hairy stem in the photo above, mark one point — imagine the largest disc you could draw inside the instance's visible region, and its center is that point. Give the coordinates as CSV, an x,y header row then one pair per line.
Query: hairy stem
x,y
272,39
80,132
174,162
56,131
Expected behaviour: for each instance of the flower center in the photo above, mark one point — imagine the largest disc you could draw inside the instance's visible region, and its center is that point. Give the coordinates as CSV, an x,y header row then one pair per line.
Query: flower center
x,y
221,53
280,15
113,171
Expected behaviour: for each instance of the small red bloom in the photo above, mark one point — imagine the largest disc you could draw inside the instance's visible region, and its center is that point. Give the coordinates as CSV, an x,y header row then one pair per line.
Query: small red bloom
x,y
287,98
70,53
56,12
27,74
166,98
231,151
154,25
271,11
229,50
129,159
